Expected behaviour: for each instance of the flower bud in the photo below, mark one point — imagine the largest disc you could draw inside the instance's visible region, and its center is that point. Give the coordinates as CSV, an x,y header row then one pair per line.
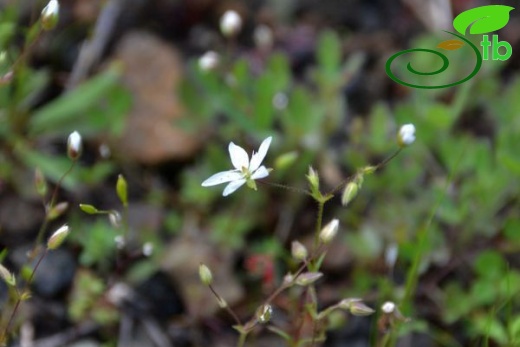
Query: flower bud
x,y
205,274
298,251
288,279
122,190
346,304
57,210
115,219
58,237
358,308
230,23
7,276
263,37
40,183
222,303
388,307
74,146
209,61
120,241
406,135
349,193
308,278
50,15
367,170
88,209
264,313
314,180
329,231
147,249
285,160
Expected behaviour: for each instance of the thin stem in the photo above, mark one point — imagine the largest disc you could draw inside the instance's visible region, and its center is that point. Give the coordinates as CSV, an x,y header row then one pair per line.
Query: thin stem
x,y
227,308
375,167
289,188
20,296
51,205
319,222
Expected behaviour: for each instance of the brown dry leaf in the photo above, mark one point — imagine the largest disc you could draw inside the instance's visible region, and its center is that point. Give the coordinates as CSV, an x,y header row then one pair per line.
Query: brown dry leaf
x,y
450,45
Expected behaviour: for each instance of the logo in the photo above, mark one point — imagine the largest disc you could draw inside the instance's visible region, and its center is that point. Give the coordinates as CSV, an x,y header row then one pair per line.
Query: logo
x,y
480,21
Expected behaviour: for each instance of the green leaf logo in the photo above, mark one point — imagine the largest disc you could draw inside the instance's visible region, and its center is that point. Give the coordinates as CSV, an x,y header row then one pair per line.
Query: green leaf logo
x,y
483,19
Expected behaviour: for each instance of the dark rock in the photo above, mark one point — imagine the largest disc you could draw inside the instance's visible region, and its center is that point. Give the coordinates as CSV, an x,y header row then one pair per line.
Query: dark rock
x,y
163,299
55,273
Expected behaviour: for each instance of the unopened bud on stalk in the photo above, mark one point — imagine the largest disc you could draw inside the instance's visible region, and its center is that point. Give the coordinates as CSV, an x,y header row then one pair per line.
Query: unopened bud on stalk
x,y
264,313
58,237
209,61
50,15
288,279
314,180
263,37
115,219
7,276
345,304
328,232
120,241
388,307
349,193
57,210
298,251
74,146
230,23
122,189
358,308
406,135
205,274
308,278
40,183
148,249
88,209
222,303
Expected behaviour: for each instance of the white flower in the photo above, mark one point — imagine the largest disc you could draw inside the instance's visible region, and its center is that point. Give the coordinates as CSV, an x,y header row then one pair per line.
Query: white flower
x,y
230,23
406,135
245,171
208,61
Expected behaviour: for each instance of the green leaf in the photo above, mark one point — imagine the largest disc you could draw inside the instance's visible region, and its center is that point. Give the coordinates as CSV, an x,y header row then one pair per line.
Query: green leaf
x,y
490,264
77,108
329,52
263,103
483,19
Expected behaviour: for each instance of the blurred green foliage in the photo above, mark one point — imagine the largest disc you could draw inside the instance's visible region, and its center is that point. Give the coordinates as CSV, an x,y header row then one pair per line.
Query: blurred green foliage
x,y
94,108
463,170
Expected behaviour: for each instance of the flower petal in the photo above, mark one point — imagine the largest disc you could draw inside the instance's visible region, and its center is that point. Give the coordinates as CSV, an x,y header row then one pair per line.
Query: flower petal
x,y
232,186
260,173
257,158
222,177
239,156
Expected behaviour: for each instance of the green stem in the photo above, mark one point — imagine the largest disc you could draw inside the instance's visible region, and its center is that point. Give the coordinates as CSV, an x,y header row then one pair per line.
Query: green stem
x,y
20,297
45,223
242,339
319,222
